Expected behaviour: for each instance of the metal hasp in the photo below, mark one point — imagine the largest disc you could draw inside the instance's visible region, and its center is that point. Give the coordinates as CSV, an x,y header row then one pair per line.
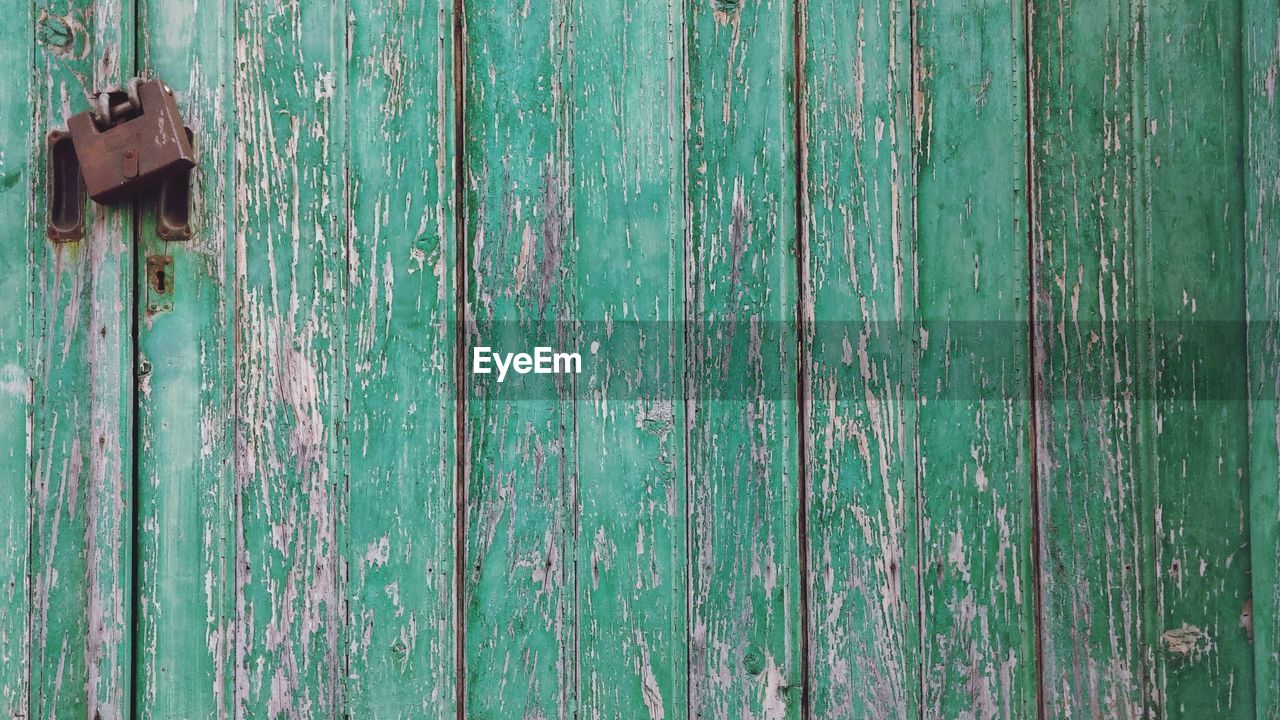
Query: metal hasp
x,y
132,140
64,190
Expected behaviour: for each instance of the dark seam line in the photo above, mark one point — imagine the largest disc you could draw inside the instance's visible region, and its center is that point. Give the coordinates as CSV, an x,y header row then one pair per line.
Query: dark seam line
x,y
340,692
236,644
686,236
132,513
1033,378
571,471
459,357
31,356
912,166
803,421
242,645
1246,181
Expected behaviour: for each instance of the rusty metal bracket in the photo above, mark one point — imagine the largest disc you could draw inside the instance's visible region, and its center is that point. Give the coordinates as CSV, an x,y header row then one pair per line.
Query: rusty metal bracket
x,y
64,189
173,207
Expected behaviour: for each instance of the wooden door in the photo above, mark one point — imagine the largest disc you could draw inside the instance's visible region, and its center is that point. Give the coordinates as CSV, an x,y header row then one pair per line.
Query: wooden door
x,y
929,363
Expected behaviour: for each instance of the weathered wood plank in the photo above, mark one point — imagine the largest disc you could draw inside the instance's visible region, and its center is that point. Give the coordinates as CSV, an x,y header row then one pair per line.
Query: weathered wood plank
x,y
859,300
1086,311
628,253
81,559
1191,272
521,498
973,461
399,533
741,378
1083,259
18,225
290,237
1139,256
1260,74
184,585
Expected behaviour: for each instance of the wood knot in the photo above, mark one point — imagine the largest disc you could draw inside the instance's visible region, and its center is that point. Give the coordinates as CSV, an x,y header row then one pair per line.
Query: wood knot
x,y
54,32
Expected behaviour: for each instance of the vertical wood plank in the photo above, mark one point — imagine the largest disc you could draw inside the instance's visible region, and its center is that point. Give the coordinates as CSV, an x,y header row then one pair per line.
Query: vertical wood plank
x,y
400,442
1139,258
18,170
741,379
290,239
185,521
1085,255
80,623
521,499
1261,72
628,250
1193,274
974,455
860,382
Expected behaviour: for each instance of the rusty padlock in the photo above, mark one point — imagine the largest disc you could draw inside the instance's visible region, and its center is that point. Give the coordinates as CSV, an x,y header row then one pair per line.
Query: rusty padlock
x,y
133,139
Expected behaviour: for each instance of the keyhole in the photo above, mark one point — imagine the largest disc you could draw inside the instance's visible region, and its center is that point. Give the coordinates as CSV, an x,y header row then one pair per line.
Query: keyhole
x,y
158,273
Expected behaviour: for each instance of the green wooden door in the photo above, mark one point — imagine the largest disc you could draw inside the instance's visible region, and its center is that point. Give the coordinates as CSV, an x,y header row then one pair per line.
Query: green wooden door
x,y
930,363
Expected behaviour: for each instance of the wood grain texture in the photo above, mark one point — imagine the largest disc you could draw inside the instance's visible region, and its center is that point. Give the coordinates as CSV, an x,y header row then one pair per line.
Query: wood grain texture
x,y
184,584
860,295
973,457
83,443
289,89
19,226
628,252
1191,275
400,440
575,597
916,380
1090,416
1261,71
1139,260
520,482
741,374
